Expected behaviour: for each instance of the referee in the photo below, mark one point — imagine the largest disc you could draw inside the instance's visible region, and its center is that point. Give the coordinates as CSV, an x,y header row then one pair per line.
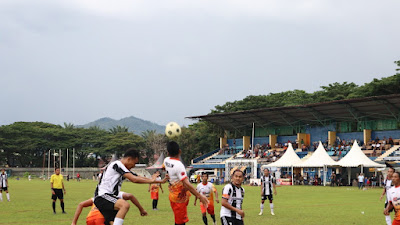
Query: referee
x,y
57,189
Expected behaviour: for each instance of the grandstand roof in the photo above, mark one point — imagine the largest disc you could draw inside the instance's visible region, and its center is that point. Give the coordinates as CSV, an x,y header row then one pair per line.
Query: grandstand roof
x,y
351,110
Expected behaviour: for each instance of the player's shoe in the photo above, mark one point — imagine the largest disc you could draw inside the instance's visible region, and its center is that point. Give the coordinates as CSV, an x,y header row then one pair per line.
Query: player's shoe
x,y
64,212
272,213
260,214
215,223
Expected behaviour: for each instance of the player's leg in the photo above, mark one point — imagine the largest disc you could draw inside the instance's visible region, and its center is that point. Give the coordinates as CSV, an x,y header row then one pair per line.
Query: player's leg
x,y
205,218
123,207
271,205
1,194
388,219
262,205
180,212
60,195
8,195
54,198
210,210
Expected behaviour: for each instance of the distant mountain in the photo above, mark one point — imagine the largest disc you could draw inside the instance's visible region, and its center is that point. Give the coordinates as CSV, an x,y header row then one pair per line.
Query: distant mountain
x,y
134,124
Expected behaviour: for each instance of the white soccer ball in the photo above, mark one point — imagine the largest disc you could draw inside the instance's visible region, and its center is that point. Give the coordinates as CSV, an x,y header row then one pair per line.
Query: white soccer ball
x,y
172,130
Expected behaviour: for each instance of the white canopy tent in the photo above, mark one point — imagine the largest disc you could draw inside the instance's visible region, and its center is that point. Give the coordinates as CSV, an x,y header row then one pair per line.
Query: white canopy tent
x,y
288,159
356,158
319,159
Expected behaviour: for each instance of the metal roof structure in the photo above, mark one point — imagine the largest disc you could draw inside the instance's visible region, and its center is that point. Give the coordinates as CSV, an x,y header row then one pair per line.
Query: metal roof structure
x,y
350,110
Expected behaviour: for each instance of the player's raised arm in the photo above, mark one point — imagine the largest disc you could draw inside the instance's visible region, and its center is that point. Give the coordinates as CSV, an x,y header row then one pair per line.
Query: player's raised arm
x,y
78,211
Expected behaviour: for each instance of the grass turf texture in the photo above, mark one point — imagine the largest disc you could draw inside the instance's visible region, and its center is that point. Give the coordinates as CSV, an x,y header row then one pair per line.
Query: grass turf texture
x,y
31,204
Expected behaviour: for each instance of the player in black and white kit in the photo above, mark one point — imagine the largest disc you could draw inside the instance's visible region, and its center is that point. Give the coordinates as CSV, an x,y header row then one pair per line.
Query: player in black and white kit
x,y
232,200
387,185
4,185
106,200
267,183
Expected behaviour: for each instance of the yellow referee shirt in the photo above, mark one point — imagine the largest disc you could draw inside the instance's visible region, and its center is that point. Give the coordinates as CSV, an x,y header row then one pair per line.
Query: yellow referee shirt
x,y
57,181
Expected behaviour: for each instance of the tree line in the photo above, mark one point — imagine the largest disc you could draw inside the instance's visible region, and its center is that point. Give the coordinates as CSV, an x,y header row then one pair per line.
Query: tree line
x,y
26,144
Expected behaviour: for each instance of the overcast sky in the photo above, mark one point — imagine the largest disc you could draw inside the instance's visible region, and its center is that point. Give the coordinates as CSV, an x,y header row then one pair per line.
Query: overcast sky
x,y
76,61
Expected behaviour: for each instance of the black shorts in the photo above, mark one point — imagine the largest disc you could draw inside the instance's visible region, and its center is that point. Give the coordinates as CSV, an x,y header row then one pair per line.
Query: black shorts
x,y
105,203
3,189
231,221
265,197
386,203
58,194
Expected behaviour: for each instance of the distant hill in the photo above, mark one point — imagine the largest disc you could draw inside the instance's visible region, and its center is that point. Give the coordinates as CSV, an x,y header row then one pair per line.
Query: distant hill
x,y
134,124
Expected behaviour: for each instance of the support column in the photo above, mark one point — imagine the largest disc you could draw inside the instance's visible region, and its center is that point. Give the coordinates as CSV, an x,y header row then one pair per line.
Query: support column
x,y
222,142
367,136
246,142
331,137
273,138
301,136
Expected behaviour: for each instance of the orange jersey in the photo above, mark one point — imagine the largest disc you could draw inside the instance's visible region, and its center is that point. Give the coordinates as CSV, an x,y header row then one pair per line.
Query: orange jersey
x,y
177,173
95,217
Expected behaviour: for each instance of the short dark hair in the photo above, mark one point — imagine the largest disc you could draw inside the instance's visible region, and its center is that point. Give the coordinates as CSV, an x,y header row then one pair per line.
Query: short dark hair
x,y
133,153
392,169
205,174
173,148
237,170
266,169
398,173
56,168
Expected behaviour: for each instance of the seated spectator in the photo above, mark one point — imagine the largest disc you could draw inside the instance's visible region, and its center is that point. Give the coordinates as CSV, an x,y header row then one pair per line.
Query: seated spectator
x,y
391,142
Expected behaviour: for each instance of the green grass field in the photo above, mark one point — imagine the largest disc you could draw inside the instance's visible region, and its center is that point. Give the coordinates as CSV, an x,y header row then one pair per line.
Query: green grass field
x,y
31,204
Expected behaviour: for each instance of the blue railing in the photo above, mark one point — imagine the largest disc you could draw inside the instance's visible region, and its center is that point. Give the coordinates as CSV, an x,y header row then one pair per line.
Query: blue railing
x,y
208,154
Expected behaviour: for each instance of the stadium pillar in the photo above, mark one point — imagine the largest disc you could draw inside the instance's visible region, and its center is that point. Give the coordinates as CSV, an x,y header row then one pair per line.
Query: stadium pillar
x,y
222,142
367,136
246,142
331,138
302,136
272,140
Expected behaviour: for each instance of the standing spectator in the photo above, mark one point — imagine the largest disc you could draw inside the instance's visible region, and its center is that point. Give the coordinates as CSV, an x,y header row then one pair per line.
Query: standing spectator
x,y
333,179
232,200
373,181
360,181
57,189
78,177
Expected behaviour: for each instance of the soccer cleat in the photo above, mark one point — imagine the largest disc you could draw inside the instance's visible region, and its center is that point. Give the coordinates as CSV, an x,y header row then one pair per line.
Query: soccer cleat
x,y
54,212
272,213
64,212
260,214
215,223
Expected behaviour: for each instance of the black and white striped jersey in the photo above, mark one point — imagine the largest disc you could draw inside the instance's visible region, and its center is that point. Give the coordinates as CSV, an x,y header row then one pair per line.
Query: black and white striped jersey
x,y
111,180
3,180
235,196
266,182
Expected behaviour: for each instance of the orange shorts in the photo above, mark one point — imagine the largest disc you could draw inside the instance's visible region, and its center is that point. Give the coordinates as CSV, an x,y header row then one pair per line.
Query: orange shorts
x,y
396,222
154,195
96,219
210,209
180,212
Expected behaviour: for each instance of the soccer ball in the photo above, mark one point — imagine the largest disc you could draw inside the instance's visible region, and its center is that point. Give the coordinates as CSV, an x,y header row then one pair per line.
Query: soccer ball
x,y
172,130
